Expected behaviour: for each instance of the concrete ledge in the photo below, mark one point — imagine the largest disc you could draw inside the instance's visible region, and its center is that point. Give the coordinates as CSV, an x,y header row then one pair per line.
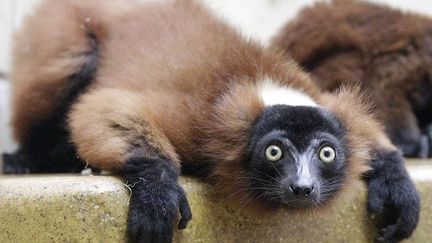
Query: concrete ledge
x,y
94,209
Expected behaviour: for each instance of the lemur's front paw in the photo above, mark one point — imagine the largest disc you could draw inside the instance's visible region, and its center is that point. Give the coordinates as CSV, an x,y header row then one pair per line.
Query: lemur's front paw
x,y
153,211
397,206
155,202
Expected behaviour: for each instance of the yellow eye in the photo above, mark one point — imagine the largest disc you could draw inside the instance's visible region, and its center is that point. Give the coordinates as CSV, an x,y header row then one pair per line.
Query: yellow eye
x,y
327,154
273,153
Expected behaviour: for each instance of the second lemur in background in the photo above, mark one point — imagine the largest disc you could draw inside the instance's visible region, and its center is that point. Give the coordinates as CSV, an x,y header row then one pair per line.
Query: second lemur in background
x,y
385,51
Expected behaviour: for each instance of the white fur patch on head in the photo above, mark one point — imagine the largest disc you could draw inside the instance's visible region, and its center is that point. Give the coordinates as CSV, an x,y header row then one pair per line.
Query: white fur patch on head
x,y
274,94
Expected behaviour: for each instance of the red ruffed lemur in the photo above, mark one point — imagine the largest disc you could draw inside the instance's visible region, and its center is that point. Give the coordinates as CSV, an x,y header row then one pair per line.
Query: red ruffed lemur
x,y
145,89
386,52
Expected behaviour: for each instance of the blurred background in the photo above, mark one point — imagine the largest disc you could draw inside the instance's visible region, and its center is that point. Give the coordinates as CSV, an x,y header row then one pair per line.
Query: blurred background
x,y
257,19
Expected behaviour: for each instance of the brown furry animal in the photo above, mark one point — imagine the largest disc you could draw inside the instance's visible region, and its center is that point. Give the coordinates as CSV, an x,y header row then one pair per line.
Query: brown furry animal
x,y
387,52
144,89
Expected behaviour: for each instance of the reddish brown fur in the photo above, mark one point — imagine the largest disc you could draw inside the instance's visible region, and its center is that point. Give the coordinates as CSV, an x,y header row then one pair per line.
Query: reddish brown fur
x,y
385,51
189,89
45,55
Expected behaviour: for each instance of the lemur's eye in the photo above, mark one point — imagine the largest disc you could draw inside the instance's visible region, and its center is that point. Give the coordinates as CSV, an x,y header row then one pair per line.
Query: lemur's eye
x,y
273,153
327,154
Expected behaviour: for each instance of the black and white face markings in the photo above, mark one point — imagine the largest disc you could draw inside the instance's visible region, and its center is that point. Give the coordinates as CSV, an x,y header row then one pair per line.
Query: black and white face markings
x,y
297,156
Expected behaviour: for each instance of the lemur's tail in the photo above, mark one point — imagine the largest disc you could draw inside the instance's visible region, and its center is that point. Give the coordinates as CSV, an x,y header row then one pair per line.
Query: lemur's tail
x,y
49,71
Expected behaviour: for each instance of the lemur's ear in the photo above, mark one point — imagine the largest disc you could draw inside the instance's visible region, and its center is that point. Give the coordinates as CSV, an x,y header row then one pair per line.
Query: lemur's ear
x,y
325,35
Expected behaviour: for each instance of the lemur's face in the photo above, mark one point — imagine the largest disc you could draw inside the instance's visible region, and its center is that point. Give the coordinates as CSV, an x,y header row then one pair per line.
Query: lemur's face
x,y
297,156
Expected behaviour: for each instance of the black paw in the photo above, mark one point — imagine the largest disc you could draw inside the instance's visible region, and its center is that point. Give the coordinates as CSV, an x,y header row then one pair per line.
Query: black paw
x,y
393,199
16,164
155,201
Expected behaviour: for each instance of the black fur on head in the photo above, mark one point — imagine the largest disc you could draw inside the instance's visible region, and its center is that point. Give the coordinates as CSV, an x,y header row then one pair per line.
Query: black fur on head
x,y
297,156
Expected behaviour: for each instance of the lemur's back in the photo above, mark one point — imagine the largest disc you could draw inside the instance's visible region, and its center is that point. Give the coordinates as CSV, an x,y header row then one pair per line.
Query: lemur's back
x,y
174,55
179,68
156,51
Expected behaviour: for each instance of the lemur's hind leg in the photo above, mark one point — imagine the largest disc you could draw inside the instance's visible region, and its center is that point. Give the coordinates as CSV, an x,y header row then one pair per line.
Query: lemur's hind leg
x,y
115,130
44,157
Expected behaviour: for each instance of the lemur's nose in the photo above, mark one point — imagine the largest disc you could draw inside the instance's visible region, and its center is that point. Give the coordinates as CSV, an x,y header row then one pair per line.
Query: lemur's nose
x,y
301,190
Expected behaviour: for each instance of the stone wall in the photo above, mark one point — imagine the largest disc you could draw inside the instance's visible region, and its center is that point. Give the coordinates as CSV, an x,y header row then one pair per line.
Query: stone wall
x,y
94,209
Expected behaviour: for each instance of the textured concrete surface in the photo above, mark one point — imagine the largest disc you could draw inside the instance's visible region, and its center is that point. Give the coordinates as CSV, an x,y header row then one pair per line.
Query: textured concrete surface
x,y
62,209
94,209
